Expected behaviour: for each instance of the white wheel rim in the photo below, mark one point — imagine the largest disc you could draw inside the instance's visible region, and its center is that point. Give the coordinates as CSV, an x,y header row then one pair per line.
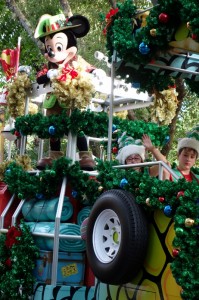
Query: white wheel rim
x,y
106,236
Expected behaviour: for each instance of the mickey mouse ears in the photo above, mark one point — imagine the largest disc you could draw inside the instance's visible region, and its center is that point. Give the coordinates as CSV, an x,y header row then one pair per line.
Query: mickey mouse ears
x,y
48,24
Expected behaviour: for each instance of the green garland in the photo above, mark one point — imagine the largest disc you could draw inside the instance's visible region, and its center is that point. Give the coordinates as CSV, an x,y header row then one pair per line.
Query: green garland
x,y
47,183
91,123
124,34
182,197
17,256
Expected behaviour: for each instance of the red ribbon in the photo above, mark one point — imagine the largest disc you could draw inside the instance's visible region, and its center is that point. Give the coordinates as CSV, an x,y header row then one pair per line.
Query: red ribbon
x,y
43,71
67,70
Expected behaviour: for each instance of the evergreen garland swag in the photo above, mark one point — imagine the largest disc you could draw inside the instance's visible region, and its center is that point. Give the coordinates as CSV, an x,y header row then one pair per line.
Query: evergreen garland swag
x,y
17,261
181,197
91,123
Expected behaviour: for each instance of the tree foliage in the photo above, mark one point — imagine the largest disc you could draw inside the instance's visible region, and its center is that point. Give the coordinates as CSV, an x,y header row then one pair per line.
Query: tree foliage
x,y
30,12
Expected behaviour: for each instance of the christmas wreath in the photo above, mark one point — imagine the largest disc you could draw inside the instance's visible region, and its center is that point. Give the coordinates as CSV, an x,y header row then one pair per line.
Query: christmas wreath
x,y
17,260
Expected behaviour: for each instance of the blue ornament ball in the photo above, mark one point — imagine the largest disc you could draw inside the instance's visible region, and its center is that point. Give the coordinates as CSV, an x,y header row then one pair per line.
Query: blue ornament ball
x,y
39,196
167,138
51,130
144,48
114,127
8,171
168,210
74,194
123,182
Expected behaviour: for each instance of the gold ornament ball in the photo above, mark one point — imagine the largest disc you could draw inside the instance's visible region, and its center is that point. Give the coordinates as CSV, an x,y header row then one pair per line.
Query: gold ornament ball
x,y
148,201
189,222
100,188
153,32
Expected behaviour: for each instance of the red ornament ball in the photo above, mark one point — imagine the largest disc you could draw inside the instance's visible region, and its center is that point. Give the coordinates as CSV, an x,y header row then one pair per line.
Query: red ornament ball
x,y
161,199
179,194
194,36
17,133
163,18
175,252
115,150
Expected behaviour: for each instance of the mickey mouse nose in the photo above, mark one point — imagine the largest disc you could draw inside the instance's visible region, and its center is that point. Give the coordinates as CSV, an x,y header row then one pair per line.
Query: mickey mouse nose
x,y
51,53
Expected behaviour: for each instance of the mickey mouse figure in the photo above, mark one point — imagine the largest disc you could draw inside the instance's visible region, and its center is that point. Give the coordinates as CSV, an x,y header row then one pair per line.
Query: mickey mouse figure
x,y
59,35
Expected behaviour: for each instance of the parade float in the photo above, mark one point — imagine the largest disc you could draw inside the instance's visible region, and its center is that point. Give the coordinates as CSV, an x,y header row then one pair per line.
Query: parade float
x,y
111,233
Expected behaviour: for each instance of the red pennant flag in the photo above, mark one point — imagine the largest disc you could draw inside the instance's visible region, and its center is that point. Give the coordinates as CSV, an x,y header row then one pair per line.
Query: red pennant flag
x,y
9,60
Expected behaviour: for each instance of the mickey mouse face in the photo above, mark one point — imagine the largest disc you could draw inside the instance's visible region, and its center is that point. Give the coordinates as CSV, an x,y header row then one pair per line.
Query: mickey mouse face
x,y
56,47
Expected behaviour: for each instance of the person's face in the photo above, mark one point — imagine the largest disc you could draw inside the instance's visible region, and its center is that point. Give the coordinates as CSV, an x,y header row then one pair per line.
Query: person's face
x,y
187,159
134,159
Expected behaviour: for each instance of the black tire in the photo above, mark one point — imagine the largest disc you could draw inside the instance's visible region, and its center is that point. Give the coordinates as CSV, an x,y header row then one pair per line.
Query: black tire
x,y
116,237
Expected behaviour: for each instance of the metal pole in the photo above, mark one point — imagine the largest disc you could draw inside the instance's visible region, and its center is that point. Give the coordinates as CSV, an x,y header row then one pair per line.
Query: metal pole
x,y
56,233
23,138
111,107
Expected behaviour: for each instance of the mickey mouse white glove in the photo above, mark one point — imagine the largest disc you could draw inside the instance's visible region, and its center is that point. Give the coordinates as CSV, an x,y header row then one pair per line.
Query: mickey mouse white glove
x,y
52,73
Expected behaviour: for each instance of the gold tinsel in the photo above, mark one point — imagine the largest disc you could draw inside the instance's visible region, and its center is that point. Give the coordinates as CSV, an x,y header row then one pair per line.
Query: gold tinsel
x,y
121,114
24,161
164,106
17,95
32,108
74,92
3,167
